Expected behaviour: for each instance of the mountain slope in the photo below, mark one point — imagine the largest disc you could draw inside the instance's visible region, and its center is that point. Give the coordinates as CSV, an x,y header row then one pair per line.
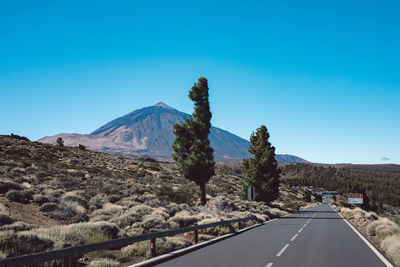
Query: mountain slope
x,y
149,132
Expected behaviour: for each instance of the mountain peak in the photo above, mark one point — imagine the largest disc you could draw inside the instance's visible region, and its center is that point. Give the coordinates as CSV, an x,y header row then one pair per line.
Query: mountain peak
x,y
148,132
163,105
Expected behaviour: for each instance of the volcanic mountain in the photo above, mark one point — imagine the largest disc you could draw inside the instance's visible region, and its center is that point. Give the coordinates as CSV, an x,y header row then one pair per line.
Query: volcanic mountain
x,y
148,132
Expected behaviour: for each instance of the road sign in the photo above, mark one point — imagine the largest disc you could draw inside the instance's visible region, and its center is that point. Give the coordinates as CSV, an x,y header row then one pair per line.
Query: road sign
x,y
328,192
251,193
355,198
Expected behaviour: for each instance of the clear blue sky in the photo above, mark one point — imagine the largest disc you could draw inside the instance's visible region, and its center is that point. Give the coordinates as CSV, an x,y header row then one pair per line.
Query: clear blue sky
x,y
324,76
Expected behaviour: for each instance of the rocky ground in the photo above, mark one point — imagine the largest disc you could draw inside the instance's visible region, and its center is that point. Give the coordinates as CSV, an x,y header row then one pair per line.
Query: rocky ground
x,y
51,194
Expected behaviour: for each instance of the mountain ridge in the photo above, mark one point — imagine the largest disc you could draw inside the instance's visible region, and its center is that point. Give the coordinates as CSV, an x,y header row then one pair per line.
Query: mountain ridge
x,y
149,132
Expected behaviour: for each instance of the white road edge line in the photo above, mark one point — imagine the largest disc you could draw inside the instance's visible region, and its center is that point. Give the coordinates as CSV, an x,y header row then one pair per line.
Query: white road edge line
x,y
294,237
200,244
383,259
282,250
269,264
300,230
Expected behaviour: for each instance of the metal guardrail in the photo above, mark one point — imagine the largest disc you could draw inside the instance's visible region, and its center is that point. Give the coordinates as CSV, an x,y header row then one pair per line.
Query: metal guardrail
x,y
66,254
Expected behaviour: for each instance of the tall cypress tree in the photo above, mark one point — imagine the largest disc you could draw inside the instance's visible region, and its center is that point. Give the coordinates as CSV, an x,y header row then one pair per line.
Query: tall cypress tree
x,y
262,170
191,149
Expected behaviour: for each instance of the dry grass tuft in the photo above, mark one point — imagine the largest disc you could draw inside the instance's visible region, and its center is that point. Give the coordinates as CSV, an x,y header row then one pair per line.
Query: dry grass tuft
x,y
104,262
17,244
163,245
382,227
3,208
215,231
107,212
391,245
16,227
277,212
75,196
183,219
77,234
131,216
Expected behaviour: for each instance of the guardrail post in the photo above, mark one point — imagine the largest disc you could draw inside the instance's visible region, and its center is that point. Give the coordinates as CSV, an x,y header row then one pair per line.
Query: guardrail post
x,y
239,225
153,247
66,261
196,236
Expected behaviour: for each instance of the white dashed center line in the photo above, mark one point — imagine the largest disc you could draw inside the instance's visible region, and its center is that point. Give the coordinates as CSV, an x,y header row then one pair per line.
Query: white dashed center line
x,y
294,237
282,250
300,230
269,264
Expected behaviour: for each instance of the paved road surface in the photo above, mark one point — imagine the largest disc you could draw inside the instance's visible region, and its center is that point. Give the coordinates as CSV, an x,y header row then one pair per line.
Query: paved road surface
x,y
316,237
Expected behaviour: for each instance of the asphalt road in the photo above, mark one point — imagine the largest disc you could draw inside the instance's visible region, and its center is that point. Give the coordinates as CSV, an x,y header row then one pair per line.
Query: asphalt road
x,y
315,237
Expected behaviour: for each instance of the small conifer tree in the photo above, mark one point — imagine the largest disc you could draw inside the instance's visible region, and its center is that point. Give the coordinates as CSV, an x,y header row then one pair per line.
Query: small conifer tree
x,y
60,142
191,149
262,170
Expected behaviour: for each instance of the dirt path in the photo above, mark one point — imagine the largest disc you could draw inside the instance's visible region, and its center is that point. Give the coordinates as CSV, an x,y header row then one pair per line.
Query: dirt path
x,y
27,213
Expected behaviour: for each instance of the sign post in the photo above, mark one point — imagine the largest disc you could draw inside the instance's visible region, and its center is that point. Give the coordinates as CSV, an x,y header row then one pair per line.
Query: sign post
x,y
355,198
251,195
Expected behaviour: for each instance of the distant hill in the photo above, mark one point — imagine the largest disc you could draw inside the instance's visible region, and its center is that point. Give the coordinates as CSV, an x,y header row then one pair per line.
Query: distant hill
x,y
148,132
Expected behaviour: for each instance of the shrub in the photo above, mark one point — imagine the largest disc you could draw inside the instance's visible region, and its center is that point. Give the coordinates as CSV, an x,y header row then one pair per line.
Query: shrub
x,y
217,230
169,244
382,227
104,262
133,215
75,196
344,204
165,192
184,194
108,211
47,207
18,196
275,212
307,196
114,198
391,245
294,206
166,177
60,142
81,147
163,245
78,233
16,227
96,238
154,222
69,210
173,208
163,212
396,219
5,219
18,137
16,244
183,219
96,202
154,166
7,185
40,199
139,249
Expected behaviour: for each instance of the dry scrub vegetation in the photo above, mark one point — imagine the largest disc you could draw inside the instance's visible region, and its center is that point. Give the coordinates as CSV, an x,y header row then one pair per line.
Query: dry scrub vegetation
x,y
51,194
383,232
